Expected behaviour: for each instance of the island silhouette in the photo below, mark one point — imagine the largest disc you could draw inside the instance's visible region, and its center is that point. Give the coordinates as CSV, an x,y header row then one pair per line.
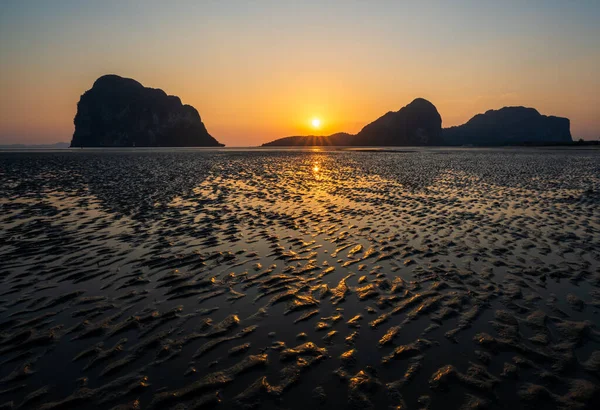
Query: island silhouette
x,y
121,112
420,124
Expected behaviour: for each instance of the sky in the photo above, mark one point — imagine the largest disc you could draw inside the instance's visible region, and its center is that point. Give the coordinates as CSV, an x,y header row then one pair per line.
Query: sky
x,y
260,70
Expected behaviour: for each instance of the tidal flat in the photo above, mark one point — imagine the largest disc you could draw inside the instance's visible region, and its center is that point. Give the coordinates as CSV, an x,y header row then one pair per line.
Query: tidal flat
x,y
295,279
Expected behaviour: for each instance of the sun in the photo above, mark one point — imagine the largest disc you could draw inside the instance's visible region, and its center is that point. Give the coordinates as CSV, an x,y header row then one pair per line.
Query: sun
x,y
316,122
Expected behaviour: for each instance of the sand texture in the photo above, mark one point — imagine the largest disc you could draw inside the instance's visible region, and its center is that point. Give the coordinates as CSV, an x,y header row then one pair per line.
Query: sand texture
x,y
190,279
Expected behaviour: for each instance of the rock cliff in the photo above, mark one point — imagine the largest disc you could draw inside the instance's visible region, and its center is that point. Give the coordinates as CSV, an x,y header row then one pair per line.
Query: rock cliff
x,y
120,112
419,123
510,126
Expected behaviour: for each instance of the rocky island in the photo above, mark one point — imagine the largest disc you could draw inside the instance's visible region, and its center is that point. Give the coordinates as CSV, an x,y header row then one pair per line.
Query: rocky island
x,y
338,139
510,126
420,124
121,112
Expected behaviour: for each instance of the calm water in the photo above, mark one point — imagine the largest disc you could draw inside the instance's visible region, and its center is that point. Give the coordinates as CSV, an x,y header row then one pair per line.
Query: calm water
x,y
419,278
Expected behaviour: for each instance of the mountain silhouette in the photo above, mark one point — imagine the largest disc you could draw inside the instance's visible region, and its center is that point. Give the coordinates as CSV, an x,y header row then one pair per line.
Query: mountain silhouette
x,y
340,138
420,124
510,125
121,112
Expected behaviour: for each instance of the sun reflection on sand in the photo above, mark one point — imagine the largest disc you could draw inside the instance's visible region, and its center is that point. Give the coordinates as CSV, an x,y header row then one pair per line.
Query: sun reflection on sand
x,y
373,245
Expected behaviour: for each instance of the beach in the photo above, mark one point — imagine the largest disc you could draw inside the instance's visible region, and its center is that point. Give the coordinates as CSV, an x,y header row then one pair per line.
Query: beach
x,y
419,278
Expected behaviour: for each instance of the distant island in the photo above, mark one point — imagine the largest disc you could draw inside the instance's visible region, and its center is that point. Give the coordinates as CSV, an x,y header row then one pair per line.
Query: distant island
x,y
121,112
56,145
510,126
420,124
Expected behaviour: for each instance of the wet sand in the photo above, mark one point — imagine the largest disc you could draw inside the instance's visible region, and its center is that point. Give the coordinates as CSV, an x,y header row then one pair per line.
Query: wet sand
x,y
431,279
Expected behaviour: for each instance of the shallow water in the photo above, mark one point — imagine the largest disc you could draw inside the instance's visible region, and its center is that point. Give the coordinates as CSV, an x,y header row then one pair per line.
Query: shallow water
x,y
292,278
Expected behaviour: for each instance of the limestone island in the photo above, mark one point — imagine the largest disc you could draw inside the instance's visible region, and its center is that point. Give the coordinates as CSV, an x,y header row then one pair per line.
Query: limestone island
x,y
121,112
420,124
510,126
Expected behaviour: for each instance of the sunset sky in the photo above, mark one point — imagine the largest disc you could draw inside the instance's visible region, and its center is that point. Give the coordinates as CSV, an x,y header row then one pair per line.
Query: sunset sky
x,y
259,70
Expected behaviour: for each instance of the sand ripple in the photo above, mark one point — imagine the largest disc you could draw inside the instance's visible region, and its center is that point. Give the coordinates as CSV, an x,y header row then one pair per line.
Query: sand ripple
x,y
285,279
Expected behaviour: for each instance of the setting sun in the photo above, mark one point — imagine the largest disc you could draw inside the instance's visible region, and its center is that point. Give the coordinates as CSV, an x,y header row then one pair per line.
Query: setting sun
x,y
316,123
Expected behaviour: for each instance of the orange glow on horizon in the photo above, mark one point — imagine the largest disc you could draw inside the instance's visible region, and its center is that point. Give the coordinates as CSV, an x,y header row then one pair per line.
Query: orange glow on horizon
x,y
261,76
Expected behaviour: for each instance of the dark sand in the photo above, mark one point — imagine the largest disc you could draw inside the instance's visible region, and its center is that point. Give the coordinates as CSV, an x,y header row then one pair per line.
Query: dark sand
x,y
300,279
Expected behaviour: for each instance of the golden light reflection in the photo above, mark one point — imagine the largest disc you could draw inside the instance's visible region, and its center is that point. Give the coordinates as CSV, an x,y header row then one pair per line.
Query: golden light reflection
x,y
316,168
